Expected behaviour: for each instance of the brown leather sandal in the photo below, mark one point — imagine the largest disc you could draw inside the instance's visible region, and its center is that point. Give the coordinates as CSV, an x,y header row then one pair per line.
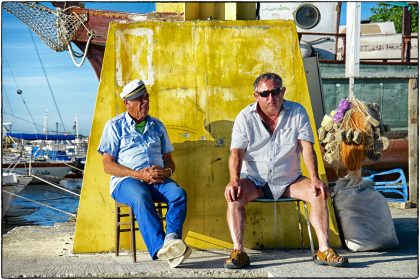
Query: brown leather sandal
x,y
330,257
237,260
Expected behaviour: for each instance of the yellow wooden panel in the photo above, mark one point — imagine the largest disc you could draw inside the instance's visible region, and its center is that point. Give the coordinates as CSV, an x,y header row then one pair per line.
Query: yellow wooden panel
x,y
230,11
173,7
199,75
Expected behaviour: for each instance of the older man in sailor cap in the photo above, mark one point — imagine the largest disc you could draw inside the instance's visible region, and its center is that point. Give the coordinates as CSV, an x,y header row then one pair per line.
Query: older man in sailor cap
x,y
136,151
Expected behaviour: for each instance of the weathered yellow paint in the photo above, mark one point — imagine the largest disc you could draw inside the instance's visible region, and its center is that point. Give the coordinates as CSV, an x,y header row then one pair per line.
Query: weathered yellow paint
x,y
199,75
205,10
174,7
230,10
198,240
192,10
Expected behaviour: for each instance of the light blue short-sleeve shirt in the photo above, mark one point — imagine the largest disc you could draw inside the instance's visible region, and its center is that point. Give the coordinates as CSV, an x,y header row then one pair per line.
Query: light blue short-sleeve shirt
x,y
132,149
272,159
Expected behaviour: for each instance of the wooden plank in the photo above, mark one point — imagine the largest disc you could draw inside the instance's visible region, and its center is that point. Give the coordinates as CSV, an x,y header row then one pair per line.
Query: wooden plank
x,y
413,142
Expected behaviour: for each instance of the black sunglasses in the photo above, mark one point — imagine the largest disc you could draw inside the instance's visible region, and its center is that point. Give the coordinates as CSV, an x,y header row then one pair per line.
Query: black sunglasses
x,y
273,92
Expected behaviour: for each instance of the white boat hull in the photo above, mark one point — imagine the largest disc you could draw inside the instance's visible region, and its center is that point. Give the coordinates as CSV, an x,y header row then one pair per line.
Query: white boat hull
x,y
11,178
8,178
7,198
50,171
24,179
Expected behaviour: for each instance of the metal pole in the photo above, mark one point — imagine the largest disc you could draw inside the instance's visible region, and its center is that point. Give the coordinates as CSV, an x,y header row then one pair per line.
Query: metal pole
x,y
351,87
413,141
352,43
46,122
406,31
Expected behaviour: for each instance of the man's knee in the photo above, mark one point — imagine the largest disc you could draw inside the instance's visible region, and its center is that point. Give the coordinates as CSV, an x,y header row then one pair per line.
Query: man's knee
x,y
142,198
317,198
237,204
180,194
177,193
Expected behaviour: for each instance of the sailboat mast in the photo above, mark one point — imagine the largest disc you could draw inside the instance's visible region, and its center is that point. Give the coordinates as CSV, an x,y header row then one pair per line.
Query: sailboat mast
x,y
46,122
76,122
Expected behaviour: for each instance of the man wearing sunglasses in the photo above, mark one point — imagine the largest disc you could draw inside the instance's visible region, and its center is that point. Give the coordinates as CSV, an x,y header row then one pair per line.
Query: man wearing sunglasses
x,y
268,137
136,151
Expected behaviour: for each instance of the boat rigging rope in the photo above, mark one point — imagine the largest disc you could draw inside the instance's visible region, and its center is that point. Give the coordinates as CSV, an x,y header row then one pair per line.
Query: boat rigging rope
x,y
72,166
48,82
58,187
73,53
22,119
42,204
7,99
70,48
12,166
19,90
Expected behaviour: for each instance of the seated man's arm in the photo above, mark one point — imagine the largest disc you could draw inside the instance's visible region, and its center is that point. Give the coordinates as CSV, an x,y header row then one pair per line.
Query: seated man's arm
x,y
233,189
150,175
309,157
169,165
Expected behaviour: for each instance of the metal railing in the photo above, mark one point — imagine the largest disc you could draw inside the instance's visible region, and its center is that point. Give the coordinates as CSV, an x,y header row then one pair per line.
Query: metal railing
x,y
405,48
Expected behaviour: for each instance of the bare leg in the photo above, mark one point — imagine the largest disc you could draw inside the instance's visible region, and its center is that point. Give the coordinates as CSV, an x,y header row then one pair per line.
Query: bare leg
x,y
236,212
302,189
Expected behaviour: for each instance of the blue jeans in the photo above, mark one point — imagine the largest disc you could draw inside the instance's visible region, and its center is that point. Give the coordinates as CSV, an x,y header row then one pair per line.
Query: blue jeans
x,y
141,197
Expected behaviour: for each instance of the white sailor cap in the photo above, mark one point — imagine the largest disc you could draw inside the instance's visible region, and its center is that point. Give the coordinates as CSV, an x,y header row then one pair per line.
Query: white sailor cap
x,y
133,90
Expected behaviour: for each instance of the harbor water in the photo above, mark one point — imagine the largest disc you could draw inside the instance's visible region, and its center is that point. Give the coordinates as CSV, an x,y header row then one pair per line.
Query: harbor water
x,y
24,212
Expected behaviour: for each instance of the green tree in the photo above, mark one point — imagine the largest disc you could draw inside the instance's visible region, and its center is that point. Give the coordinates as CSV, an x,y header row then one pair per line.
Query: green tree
x,y
392,11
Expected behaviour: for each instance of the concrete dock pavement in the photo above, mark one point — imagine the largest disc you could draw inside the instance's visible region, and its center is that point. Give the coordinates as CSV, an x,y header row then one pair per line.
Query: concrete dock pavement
x,y
46,252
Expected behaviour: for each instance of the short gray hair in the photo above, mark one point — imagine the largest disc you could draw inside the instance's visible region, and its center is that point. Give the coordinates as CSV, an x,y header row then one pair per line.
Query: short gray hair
x,y
268,76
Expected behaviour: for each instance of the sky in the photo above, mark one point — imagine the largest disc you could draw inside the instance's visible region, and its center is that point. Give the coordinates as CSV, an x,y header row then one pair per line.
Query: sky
x,y
73,89
365,11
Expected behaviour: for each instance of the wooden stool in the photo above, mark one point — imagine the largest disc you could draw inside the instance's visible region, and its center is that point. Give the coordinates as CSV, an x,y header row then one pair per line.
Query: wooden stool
x,y
132,227
287,199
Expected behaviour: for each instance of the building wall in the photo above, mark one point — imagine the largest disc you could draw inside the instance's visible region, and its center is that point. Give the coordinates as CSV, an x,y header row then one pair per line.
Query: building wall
x,y
322,45
199,75
386,85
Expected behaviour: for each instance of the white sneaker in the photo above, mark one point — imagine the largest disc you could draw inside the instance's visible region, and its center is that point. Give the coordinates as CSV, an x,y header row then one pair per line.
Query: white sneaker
x,y
177,261
172,249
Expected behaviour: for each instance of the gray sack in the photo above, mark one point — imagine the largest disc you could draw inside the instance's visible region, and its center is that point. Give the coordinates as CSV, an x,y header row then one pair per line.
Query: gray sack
x,y
364,216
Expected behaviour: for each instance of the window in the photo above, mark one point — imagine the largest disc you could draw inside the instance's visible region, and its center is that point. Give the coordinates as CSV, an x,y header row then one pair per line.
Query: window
x,y
307,16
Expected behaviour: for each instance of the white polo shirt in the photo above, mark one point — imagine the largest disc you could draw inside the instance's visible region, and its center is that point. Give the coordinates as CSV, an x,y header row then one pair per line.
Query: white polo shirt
x,y
272,159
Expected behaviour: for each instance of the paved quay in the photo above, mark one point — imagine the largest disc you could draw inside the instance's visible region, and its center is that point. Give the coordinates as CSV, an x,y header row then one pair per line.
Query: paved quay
x,y
46,252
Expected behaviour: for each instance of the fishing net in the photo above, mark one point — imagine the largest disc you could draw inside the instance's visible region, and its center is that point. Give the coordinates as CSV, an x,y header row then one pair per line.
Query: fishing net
x,y
55,28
